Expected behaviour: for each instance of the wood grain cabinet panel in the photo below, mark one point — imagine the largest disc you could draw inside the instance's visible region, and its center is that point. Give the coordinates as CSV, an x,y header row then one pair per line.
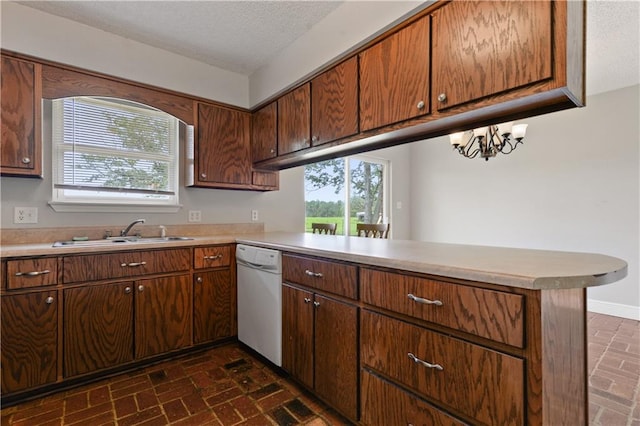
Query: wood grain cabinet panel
x,y
297,334
96,267
264,133
394,77
483,48
294,120
29,326
25,273
384,403
223,146
479,383
214,306
336,354
163,315
211,256
334,103
495,315
98,327
20,117
329,276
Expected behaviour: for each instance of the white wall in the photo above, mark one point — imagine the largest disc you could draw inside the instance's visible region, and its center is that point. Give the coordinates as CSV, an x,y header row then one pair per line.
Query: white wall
x,y
573,186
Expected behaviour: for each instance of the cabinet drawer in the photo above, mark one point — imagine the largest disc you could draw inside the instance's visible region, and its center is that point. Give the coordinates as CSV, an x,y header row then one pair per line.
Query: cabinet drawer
x,y
480,383
211,257
124,264
386,404
25,273
334,277
491,314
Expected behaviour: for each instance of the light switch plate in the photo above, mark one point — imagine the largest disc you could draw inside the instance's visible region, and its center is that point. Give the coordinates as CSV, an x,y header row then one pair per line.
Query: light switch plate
x,y
25,215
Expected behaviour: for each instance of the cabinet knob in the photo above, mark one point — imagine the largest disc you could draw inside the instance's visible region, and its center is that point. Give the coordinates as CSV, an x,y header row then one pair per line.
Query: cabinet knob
x,y
26,160
442,97
48,300
316,304
140,288
272,151
420,105
314,139
127,290
199,279
307,300
203,175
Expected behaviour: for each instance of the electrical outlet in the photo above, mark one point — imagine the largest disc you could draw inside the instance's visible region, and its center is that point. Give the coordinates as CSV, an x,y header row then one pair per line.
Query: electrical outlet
x,y
254,215
195,216
25,215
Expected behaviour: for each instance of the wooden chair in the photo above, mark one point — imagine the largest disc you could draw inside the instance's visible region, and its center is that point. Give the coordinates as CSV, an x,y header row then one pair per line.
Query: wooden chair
x,y
373,230
324,228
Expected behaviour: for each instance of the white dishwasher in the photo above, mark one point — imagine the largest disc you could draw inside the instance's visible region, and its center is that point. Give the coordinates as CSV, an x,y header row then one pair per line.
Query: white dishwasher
x,y
260,300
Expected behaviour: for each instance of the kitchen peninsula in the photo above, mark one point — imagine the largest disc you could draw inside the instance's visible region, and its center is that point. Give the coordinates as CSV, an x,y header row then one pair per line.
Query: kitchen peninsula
x,y
398,331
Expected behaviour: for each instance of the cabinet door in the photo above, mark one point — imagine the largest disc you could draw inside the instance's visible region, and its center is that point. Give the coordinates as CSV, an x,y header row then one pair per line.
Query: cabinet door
x,y
294,120
20,118
336,354
29,326
334,103
213,306
297,334
487,47
163,315
223,151
264,133
98,327
394,77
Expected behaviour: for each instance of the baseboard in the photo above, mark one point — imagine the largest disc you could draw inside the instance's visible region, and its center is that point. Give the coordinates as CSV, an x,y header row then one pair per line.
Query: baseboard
x,y
614,309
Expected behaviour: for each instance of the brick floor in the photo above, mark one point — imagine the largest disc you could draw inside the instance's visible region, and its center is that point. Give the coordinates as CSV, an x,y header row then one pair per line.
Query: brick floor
x,y
227,386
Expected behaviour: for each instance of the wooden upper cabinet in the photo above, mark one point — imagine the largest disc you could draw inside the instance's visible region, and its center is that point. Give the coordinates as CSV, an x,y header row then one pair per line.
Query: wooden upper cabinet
x,y
223,146
264,133
394,77
20,118
334,103
294,120
487,47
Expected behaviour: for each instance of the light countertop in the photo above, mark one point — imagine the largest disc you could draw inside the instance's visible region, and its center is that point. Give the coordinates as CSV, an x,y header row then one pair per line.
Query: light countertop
x,y
524,268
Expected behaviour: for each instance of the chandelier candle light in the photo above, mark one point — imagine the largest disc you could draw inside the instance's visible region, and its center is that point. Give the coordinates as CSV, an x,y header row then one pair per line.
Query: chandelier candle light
x,y
488,141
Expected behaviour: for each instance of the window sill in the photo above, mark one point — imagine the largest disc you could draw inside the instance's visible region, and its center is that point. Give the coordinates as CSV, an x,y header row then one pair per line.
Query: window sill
x,y
111,208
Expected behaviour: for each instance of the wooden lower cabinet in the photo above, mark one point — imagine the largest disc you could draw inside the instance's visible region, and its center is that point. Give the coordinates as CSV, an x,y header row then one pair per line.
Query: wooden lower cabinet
x,y
384,403
213,306
98,327
163,315
29,326
482,384
320,346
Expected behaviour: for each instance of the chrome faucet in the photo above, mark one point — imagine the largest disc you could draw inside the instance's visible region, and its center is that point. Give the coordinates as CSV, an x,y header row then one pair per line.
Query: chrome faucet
x,y
126,230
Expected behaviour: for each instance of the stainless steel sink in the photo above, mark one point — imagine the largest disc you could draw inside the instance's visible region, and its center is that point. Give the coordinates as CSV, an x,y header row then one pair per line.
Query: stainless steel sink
x,y
117,241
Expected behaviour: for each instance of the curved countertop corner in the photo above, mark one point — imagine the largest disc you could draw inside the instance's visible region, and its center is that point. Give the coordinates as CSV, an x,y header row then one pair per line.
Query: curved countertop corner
x,y
515,267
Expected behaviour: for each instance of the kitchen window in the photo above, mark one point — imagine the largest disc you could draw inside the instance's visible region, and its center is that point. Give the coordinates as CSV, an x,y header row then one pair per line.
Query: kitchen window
x,y
113,153
346,191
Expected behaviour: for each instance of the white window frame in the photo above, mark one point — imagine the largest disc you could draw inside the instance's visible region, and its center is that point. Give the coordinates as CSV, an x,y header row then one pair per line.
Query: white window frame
x,y
79,198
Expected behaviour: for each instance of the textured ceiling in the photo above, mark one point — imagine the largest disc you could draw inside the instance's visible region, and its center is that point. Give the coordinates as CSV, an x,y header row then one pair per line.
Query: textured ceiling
x,y
242,36
238,36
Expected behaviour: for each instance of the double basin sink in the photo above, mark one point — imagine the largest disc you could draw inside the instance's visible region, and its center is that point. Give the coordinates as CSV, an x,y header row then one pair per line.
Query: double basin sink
x,y
118,240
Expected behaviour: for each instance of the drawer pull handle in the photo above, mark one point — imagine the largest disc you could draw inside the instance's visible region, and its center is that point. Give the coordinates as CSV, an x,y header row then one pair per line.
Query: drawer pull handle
x,y
417,360
133,264
424,301
33,273
313,274
214,257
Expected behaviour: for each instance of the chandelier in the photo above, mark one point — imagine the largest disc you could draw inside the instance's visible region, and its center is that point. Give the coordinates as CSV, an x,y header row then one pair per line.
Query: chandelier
x,y
489,141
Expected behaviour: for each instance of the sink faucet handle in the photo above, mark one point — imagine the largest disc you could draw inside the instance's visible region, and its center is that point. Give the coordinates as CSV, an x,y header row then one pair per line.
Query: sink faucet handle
x,y
163,231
